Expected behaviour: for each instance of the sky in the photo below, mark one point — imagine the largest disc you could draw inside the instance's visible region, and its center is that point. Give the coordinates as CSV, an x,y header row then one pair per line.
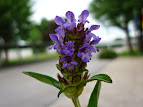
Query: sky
x,y
50,8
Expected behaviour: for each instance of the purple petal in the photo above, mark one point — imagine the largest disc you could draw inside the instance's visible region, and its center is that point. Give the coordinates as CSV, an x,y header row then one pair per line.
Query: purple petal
x,y
70,17
95,49
60,32
94,27
53,37
57,46
86,57
74,63
95,41
86,46
68,49
83,17
59,20
66,25
87,38
79,54
50,47
70,66
72,26
64,65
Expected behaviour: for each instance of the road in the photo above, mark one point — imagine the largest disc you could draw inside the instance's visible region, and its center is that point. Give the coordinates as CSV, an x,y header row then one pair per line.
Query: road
x,y
19,90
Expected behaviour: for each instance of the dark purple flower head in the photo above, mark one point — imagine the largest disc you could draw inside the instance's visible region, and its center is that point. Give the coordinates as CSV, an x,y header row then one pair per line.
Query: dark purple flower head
x,y
82,18
68,49
73,41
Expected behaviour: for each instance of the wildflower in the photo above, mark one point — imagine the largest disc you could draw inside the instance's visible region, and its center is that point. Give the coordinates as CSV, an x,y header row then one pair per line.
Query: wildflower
x,y
75,45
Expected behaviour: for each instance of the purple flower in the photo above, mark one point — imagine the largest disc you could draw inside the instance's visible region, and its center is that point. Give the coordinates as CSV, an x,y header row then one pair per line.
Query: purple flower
x,y
89,35
58,45
60,30
82,18
68,49
69,24
69,33
69,62
71,21
85,52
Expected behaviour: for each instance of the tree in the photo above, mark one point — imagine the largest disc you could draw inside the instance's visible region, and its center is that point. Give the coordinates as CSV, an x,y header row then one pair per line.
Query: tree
x,y
14,21
117,13
34,34
47,27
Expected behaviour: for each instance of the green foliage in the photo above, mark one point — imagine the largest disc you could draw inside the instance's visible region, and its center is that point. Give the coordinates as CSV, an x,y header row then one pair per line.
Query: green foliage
x,y
101,77
107,54
34,34
93,101
117,12
47,27
44,78
127,53
14,20
119,39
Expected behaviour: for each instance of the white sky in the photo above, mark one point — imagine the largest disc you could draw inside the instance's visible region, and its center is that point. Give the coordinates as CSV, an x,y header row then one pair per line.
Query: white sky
x,y
51,8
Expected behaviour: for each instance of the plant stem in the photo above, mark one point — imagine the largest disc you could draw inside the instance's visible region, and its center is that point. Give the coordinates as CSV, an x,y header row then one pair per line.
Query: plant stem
x,y
76,102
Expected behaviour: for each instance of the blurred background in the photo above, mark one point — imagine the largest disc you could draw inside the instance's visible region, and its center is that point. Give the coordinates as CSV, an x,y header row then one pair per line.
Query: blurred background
x,y
25,26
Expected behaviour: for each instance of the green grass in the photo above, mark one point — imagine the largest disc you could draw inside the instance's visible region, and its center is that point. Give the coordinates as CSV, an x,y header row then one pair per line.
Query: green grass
x,y
107,54
127,53
39,57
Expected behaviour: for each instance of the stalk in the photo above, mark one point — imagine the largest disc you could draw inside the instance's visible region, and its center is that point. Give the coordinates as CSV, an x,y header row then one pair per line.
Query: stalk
x,y
76,102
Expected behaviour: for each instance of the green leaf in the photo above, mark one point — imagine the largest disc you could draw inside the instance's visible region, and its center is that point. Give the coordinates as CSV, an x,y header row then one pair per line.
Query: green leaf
x,y
61,90
101,77
44,78
93,101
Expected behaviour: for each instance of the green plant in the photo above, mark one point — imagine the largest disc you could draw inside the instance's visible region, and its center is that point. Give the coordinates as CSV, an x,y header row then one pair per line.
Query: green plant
x,y
74,44
107,54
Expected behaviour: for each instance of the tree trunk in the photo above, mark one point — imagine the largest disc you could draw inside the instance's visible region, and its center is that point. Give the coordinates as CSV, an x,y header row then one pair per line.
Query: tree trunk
x,y
139,27
129,41
6,55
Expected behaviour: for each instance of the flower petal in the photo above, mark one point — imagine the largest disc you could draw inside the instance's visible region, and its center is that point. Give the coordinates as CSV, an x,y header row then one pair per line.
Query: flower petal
x,y
59,20
70,17
50,47
83,17
53,37
64,65
94,27
95,41
86,57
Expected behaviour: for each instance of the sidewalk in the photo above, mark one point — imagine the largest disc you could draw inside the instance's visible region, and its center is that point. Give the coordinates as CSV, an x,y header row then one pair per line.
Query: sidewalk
x,y
125,91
